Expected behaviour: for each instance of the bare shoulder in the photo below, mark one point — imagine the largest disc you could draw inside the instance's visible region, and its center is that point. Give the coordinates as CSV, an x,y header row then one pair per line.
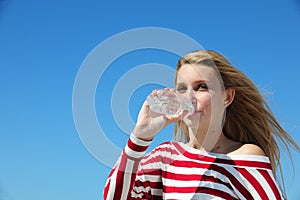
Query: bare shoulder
x,y
249,149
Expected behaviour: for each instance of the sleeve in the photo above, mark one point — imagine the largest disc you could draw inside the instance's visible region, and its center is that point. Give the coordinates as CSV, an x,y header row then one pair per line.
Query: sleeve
x,y
122,178
256,183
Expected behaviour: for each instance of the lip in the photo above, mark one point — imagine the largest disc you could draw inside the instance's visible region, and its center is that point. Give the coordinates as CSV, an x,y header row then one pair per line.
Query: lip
x,y
194,113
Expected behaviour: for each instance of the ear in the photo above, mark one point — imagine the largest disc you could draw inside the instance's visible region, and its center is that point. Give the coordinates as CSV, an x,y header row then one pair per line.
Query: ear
x,y
229,96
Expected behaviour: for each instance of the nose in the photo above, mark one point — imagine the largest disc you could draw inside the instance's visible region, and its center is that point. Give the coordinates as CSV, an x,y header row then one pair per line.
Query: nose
x,y
191,95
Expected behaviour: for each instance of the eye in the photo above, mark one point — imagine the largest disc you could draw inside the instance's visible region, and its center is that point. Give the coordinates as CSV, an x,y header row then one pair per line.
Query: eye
x,y
201,86
181,89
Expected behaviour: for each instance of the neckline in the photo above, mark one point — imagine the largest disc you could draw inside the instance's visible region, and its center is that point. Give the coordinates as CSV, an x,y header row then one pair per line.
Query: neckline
x,y
219,158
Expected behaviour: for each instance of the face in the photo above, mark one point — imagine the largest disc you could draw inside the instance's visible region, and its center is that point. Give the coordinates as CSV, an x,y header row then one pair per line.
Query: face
x,y
201,85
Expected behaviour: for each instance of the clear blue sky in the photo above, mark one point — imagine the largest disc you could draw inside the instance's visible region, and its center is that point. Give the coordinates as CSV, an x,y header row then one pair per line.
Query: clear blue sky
x,y
44,43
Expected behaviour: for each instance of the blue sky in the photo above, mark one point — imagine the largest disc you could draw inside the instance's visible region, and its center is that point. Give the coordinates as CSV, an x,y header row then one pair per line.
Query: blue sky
x,y
43,44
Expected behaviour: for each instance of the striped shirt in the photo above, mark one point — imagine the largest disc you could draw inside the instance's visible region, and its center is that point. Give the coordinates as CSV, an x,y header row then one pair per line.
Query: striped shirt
x,y
173,170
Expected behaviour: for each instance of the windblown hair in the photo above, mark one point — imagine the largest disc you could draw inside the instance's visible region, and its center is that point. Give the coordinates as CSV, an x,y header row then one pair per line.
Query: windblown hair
x,y
248,119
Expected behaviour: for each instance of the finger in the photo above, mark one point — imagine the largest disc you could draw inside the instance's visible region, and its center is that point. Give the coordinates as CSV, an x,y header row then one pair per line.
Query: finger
x,y
171,89
175,117
184,113
146,105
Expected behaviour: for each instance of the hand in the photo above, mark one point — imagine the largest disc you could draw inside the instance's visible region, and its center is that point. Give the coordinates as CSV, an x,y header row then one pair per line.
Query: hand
x,y
149,123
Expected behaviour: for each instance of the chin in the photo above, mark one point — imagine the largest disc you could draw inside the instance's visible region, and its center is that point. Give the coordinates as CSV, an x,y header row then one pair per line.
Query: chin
x,y
192,122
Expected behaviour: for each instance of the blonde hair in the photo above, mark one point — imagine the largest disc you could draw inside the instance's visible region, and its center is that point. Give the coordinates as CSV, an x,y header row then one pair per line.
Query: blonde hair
x,y
249,119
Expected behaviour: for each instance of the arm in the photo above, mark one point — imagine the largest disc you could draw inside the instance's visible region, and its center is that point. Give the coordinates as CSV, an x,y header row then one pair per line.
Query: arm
x,y
122,177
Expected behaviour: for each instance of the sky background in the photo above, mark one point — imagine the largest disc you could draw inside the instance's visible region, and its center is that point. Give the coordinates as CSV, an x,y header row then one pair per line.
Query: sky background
x,y
44,43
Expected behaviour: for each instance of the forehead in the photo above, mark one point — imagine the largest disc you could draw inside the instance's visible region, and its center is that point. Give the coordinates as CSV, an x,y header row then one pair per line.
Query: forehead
x,y
192,72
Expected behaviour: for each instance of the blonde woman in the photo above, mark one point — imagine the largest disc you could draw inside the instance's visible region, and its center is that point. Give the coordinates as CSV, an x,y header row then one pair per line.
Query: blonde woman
x,y
224,149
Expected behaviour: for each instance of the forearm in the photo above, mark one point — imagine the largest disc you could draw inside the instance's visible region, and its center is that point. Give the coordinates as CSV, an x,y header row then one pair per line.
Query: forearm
x,y
121,179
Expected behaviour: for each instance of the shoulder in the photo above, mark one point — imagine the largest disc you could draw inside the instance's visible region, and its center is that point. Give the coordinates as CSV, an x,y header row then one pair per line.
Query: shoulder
x,y
164,147
249,149
163,150
161,155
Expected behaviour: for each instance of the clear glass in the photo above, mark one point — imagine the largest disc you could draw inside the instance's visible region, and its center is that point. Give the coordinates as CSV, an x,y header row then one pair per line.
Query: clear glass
x,y
169,103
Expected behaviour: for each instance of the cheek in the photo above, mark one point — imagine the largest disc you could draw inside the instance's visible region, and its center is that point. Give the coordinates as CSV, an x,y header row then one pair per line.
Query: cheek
x,y
218,102
204,101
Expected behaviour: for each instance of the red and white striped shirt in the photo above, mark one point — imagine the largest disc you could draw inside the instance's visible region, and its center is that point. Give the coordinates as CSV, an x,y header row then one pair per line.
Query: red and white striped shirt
x,y
173,170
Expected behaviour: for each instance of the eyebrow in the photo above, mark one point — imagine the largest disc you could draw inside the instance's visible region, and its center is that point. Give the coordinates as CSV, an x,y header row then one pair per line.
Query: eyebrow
x,y
194,83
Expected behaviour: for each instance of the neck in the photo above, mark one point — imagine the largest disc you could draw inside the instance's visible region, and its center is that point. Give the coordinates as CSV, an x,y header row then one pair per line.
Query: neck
x,y
208,140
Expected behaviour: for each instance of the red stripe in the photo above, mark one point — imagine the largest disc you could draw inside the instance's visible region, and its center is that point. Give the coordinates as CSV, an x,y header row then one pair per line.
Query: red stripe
x,y
271,182
182,177
256,164
167,148
167,151
194,177
133,178
215,192
106,190
156,197
157,159
229,161
120,177
156,185
234,181
190,164
254,182
136,147
155,172
108,184
139,183
112,171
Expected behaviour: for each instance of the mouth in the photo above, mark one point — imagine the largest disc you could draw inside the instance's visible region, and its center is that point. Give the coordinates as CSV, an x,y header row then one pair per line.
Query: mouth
x,y
194,113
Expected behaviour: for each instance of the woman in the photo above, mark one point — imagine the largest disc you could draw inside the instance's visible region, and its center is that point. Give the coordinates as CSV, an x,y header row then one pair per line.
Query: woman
x,y
228,151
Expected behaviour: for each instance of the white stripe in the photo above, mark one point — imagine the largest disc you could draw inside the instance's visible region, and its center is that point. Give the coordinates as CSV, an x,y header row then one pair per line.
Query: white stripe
x,y
196,184
192,196
241,157
164,154
185,170
234,173
157,192
153,166
112,186
220,187
153,155
178,157
250,187
263,182
276,184
141,189
132,153
139,142
243,181
198,196
183,158
178,195
153,178
179,183
127,178
135,195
